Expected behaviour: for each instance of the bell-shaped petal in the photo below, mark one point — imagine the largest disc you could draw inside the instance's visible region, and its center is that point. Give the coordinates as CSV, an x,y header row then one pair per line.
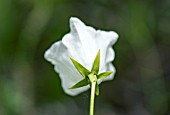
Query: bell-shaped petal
x,y
81,43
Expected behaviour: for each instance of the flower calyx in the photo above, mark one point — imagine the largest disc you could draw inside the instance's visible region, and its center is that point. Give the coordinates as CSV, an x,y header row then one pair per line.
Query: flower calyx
x,y
90,76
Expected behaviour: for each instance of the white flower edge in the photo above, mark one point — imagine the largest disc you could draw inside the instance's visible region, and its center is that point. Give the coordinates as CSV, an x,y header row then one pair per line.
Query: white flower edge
x,y
82,44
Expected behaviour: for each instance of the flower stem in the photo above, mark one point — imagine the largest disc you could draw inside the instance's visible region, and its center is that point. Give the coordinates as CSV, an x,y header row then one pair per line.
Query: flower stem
x,y
93,84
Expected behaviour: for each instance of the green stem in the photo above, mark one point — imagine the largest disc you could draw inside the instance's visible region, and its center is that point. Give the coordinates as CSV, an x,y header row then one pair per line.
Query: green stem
x,y
93,84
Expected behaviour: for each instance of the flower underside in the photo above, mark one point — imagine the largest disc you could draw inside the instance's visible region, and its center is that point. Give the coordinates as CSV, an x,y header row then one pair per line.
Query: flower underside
x,y
90,76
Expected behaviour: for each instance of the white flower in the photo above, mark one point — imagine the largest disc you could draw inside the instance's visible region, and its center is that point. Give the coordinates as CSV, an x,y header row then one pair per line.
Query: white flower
x,y
82,44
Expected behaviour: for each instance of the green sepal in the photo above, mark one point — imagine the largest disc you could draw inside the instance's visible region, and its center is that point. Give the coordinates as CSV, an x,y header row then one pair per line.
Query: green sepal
x,y
103,75
81,69
97,89
96,64
81,83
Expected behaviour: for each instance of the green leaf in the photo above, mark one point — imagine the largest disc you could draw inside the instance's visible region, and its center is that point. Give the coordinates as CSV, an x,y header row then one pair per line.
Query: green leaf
x,y
81,69
96,64
103,75
81,83
97,89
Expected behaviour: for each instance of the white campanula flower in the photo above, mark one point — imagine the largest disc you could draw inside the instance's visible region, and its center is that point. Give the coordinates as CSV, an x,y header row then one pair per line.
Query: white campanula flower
x,y
81,43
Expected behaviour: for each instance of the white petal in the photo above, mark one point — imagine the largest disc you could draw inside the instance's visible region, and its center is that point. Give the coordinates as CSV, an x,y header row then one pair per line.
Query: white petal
x,y
105,40
86,36
74,48
54,52
59,56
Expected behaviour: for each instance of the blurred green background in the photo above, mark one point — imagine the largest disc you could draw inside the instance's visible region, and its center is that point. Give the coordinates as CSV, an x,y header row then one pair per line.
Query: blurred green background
x,y
29,84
